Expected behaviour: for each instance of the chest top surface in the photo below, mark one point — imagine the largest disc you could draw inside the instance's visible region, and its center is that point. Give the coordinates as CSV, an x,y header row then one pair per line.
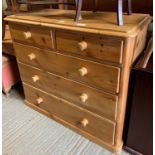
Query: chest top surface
x,y
98,23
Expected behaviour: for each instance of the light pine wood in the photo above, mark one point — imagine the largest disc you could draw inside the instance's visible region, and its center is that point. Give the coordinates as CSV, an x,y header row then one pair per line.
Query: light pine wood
x,y
83,68
39,100
147,54
83,45
130,45
94,74
84,97
96,23
124,80
32,56
83,71
140,42
97,126
99,102
7,45
76,129
27,35
32,35
84,122
100,47
35,78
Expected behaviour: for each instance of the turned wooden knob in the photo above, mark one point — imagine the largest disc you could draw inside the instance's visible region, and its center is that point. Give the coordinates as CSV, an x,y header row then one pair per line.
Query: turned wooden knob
x,y
84,122
27,35
84,97
83,71
39,100
82,45
32,56
35,78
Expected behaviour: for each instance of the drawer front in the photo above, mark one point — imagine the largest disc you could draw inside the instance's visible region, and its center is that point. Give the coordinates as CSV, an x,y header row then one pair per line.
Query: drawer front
x,y
92,99
103,48
94,74
36,36
82,119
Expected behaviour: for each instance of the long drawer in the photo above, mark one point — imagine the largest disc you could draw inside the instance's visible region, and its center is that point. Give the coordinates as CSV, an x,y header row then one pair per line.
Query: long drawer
x,y
93,46
84,120
94,74
37,36
101,103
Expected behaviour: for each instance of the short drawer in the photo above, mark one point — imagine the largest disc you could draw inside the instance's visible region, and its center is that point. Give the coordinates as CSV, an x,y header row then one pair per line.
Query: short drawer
x,y
36,36
99,102
98,47
82,119
94,74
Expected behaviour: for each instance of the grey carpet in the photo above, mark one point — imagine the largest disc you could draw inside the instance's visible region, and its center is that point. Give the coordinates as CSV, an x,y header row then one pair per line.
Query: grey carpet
x,y
27,132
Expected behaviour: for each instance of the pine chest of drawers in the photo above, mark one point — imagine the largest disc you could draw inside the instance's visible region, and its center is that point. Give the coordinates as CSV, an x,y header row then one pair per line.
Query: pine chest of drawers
x,y
77,73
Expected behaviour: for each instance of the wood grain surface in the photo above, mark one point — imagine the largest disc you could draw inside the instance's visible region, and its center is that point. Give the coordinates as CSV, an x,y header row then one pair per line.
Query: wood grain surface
x,y
97,126
99,102
52,61
98,23
100,47
99,75
38,36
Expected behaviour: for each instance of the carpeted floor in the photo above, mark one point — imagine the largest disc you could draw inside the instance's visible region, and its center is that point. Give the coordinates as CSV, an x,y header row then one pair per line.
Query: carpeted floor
x,y
27,132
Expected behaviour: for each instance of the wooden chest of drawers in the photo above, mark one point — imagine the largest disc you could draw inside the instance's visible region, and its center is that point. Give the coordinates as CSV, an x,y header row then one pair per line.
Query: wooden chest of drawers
x,y
77,73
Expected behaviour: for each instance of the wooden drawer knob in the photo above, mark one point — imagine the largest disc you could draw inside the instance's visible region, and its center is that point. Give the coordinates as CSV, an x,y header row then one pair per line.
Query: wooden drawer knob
x,y
82,45
83,71
35,78
27,35
84,97
32,56
84,122
40,100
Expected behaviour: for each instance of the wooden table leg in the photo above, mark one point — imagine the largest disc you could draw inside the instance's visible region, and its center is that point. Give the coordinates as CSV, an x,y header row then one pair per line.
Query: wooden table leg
x,y
120,13
78,10
129,7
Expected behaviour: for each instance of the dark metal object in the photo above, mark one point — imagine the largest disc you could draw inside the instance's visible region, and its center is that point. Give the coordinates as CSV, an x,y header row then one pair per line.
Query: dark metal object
x,y
119,10
78,10
129,7
78,4
120,13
